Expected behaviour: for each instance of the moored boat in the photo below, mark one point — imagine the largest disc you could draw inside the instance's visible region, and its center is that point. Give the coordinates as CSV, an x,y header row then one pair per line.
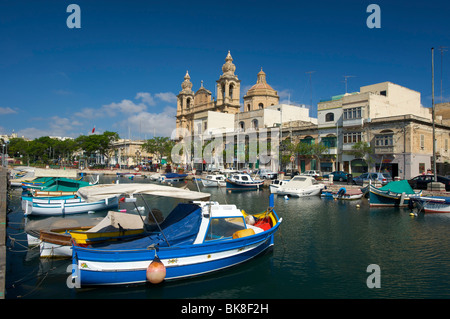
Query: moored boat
x,y
343,194
243,182
276,184
431,204
68,206
172,177
393,194
214,181
301,186
114,226
196,238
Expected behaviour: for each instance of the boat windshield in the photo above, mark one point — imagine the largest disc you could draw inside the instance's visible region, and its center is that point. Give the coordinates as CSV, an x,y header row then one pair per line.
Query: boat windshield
x,y
223,227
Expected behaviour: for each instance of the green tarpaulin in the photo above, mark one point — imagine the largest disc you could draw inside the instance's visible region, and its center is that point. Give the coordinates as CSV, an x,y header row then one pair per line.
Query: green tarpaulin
x,y
398,187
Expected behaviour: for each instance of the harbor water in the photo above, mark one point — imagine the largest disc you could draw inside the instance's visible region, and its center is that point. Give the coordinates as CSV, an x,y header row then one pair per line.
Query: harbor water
x,y
322,251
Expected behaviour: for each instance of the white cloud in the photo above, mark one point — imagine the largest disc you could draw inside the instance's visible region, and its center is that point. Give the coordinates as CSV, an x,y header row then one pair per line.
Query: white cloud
x,y
145,123
7,110
167,97
125,106
146,98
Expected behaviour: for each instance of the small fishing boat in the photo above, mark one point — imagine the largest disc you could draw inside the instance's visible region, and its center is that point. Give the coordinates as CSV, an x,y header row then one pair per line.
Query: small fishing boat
x,y
276,184
69,206
431,204
196,238
301,186
48,200
59,187
114,227
172,177
243,182
214,181
342,194
393,194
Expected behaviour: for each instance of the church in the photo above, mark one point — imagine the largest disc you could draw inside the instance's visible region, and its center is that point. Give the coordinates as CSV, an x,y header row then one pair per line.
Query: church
x,y
195,110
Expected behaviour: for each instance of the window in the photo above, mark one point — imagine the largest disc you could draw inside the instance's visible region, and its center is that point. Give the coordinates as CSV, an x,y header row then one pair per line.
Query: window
x,y
383,92
386,138
422,141
188,103
261,106
231,88
242,125
446,144
329,141
223,227
352,113
329,117
353,137
248,107
255,124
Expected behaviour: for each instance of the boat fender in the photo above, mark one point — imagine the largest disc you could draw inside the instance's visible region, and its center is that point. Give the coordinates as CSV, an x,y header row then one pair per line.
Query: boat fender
x,y
243,233
249,219
156,271
341,191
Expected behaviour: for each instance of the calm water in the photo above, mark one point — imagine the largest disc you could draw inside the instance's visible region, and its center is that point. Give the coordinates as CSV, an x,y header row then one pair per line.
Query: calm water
x,y
322,251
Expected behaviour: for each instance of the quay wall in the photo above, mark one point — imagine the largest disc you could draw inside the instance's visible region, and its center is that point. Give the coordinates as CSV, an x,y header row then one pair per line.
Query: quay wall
x,y
3,209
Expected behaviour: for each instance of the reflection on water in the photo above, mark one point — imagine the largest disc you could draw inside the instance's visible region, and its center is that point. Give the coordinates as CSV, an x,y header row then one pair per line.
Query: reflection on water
x,y
322,250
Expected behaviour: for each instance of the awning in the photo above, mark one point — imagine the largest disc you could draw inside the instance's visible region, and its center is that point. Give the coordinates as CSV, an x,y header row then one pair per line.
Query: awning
x,y
103,191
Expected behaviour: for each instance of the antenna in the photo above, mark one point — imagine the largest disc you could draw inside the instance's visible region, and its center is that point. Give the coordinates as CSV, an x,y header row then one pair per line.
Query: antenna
x,y
442,49
310,84
346,80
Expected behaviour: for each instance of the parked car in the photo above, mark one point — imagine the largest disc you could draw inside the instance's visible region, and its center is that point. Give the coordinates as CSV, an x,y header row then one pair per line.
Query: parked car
x,y
421,181
266,173
383,178
340,176
312,173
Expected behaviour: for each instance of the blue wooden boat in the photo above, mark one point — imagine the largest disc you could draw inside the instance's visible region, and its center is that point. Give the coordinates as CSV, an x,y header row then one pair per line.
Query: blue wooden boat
x,y
393,194
196,238
172,177
243,182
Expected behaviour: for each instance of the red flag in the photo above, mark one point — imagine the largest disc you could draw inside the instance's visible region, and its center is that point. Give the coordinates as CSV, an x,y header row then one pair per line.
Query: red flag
x,y
93,130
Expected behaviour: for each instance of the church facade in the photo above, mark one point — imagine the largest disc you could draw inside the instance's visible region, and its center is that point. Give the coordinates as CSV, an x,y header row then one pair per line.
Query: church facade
x,y
193,108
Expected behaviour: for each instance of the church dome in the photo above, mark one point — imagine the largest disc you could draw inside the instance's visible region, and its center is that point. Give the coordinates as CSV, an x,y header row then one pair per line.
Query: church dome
x,y
186,85
261,85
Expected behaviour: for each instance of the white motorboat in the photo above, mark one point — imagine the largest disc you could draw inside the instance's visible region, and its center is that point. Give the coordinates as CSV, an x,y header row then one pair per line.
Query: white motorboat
x,y
301,186
214,181
276,184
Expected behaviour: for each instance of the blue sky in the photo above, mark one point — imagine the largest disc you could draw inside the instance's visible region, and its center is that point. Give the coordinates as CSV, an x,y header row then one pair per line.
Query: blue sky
x,y
121,71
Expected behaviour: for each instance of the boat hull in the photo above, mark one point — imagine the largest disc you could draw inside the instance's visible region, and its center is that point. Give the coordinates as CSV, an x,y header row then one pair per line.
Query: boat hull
x,y
299,192
380,198
109,267
63,208
432,204
241,186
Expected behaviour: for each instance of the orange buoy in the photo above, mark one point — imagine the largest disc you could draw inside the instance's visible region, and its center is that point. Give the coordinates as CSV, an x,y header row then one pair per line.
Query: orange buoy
x,y
156,271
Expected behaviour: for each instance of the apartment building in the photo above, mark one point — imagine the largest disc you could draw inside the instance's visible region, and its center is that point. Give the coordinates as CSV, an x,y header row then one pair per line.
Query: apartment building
x,y
391,119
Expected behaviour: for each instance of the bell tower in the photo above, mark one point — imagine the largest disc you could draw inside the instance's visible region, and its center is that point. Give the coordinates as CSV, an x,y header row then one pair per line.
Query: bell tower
x,y
185,103
228,88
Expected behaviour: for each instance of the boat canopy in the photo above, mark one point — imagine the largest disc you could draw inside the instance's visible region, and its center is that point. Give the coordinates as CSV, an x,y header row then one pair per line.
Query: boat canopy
x,y
398,187
100,192
301,182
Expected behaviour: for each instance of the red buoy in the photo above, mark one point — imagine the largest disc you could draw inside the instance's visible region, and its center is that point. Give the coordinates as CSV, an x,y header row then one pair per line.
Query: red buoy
x,y
156,271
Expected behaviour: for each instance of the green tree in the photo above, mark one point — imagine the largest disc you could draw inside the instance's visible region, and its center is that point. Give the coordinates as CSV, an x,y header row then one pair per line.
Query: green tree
x,y
97,143
363,150
159,146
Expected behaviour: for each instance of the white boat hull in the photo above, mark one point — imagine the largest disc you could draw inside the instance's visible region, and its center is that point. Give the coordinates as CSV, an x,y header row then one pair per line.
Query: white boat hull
x,y
299,192
54,209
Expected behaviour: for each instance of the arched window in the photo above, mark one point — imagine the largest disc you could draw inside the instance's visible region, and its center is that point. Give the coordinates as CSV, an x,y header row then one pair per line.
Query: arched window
x,y
329,117
242,125
188,103
248,107
230,91
261,106
255,124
